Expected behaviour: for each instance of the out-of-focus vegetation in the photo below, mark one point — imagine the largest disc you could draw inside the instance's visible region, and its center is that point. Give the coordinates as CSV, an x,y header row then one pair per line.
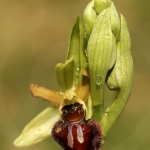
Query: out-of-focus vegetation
x,y
33,39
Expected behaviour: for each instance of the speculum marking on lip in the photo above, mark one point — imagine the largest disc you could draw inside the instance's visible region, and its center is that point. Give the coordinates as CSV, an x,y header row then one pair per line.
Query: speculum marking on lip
x,y
79,134
70,136
74,132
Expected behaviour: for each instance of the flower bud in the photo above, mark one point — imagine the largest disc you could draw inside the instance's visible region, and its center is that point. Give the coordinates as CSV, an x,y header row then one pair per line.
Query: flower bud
x,y
101,56
120,78
100,5
123,70
89,17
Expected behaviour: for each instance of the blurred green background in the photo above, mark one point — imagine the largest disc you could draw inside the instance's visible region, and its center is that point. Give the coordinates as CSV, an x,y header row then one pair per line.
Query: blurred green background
x,y
33,39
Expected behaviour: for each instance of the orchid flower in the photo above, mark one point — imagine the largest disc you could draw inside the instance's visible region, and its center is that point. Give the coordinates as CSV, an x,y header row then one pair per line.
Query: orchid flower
x,y
98,54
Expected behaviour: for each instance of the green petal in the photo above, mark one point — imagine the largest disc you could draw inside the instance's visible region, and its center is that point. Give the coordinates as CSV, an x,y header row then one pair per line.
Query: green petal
x,y
64,74
39,128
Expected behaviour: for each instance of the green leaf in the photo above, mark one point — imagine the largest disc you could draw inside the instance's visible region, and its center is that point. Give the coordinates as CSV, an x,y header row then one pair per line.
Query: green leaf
x,y
39,128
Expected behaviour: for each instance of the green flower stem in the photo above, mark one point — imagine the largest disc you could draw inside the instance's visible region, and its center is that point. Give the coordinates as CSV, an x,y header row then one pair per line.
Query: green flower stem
x,y
120,78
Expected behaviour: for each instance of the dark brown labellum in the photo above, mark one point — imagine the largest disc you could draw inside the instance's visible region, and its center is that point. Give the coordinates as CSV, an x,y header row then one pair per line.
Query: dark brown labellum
x,y
76,133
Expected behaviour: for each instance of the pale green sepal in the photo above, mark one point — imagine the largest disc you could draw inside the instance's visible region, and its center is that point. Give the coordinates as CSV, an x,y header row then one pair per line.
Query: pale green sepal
x,y
89,17
100,5
115,21
100,50
39,128
64,74
121,78
77,50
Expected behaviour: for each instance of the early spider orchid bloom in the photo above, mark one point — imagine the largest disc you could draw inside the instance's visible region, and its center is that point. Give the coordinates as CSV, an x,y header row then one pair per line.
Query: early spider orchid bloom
x,y
74,130
100,43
